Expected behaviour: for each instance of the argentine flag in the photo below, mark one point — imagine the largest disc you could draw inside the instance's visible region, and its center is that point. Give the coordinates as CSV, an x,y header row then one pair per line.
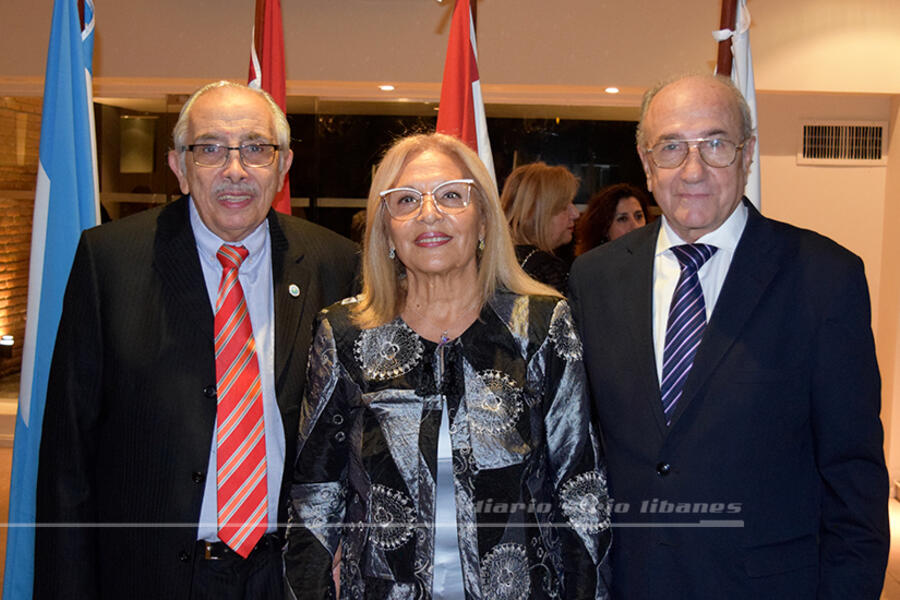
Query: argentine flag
x,y
66,202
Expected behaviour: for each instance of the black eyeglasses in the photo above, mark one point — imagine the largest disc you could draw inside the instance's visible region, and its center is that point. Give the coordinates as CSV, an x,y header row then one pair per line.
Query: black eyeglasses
x,y
715,152
216,155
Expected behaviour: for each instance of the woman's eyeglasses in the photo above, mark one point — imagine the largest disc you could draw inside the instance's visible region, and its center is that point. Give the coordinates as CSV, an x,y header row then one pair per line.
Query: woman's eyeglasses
x,y
450,198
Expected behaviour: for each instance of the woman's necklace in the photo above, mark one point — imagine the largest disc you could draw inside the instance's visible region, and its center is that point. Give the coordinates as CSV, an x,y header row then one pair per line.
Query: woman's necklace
x,y
525,260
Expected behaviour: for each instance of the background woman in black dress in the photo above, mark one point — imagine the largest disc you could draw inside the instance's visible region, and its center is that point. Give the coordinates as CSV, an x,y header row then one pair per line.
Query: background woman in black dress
x,y
537,200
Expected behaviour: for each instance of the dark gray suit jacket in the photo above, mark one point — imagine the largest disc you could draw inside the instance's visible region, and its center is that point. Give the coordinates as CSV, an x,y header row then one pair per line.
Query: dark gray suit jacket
x,y
773,468
131,403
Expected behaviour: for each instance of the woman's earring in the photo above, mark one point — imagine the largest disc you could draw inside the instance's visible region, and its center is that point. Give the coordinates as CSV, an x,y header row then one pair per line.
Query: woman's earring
x,y
481,244
392,253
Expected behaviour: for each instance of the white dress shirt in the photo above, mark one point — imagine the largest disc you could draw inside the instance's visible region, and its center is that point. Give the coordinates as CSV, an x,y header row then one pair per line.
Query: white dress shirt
x,y
666,270
255,275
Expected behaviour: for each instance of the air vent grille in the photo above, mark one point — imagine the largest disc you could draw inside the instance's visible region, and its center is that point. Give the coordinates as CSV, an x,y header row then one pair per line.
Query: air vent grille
x,y
843,143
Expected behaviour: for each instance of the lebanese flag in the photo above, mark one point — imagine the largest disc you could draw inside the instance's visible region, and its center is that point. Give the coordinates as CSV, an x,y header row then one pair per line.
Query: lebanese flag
x,y
461,112
267,71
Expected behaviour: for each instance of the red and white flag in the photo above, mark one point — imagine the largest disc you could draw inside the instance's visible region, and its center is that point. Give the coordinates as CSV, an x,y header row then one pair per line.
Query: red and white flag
x,y
461,112
742,75
267,71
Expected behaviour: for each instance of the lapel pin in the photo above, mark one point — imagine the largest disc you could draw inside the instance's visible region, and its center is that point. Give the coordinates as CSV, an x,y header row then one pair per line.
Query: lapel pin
x,y
294,290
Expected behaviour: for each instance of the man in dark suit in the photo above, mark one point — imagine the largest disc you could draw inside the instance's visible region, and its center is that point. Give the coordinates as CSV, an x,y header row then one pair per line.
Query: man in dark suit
x,y
732,368
131,500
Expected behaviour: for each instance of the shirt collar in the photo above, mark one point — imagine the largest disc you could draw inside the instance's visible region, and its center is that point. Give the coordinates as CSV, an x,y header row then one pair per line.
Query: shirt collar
x,y
725,237
209,243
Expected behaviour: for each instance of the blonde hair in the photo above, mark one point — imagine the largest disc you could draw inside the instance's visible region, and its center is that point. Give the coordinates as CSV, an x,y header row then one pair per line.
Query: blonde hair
x,y
383,279
532,195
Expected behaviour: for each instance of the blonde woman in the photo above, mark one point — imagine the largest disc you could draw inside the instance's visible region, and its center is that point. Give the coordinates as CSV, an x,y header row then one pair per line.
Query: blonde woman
x,y
445,439
537,200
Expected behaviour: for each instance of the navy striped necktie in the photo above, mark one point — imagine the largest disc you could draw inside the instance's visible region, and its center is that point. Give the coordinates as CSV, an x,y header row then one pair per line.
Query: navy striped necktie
x,y
687,320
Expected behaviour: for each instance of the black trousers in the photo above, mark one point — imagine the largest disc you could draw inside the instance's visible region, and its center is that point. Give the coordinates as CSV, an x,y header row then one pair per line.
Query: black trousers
x,y
260,576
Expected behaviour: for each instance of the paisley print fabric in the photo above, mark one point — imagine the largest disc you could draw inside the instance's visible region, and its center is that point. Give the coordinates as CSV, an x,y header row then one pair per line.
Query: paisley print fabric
x,y
529,485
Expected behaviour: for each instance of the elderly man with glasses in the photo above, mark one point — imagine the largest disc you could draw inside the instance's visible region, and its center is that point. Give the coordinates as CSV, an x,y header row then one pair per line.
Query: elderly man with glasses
x,y
733,374
174,391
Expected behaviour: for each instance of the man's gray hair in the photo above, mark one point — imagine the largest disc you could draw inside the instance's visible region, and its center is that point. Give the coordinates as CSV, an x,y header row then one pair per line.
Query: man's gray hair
x,y
739,101
282,129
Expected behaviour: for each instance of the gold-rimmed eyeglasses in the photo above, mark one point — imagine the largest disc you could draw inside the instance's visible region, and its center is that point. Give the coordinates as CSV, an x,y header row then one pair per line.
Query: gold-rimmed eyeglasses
x,y
715,152
450,198
216,155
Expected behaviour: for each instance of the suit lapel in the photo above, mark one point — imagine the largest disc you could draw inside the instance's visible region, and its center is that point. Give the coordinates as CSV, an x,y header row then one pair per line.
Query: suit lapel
x,y
291,286
176,261
754,265
637,307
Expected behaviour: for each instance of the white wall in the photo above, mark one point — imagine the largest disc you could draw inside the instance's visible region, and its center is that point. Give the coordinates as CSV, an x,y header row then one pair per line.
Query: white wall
x,y
826,45
887,327
799,45
844,203
577,42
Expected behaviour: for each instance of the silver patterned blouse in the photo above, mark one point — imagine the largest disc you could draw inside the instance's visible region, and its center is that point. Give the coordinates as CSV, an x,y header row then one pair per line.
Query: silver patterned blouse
x,y
530,487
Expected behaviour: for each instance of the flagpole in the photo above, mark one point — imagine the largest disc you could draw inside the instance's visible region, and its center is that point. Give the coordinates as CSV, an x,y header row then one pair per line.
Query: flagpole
x,y
727,21
736,61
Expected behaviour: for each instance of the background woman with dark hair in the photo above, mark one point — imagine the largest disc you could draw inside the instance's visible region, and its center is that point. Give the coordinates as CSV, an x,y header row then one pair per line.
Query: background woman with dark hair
x,y
612,212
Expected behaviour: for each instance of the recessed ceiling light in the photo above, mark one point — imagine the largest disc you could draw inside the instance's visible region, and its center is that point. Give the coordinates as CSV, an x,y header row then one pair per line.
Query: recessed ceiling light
x,y
612,90
386,88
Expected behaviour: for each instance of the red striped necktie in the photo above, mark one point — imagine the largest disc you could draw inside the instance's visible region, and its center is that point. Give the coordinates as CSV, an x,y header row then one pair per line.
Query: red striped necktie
x,y
240,434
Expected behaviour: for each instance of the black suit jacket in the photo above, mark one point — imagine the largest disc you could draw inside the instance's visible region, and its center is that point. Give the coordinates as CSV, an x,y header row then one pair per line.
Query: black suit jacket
x,y
773,465
131,404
